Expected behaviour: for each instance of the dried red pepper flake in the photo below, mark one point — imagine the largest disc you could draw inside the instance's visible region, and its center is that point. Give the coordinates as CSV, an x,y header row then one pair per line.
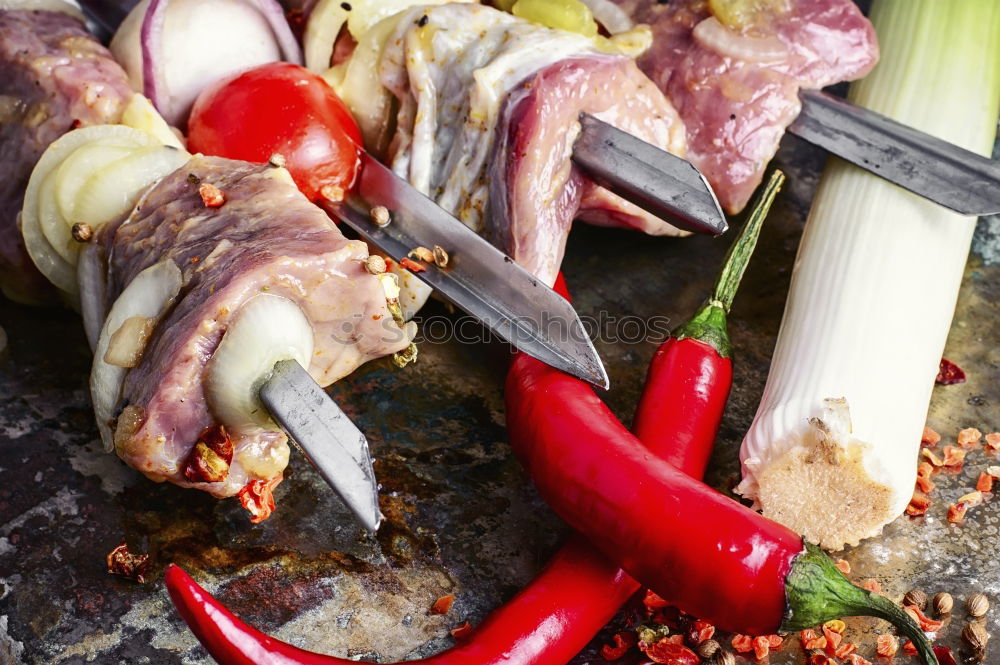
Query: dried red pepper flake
x,y
833,640
411,265
909,648
855,659
956,512
985,482
775,641
821,659
761,647
701,631
258,499
462,631
953,456
969,438
668,652
211,195
845,650
843,566
949,373
886,645
211,456
872,584
742,643
944,655
925,485
993,441
930,438
623,641
443,604
919,504
121,561
927,624
652,601
810,640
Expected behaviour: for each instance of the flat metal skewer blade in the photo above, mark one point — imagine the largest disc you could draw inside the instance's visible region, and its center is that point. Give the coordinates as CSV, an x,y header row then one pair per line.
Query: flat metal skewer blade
x,y
660,183
327,437
943,172
479,279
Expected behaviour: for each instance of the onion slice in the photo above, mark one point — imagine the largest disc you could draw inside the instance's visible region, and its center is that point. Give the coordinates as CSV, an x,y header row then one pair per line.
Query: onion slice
x,y
154,80
266,329
92,278
274,14
148,295
711,34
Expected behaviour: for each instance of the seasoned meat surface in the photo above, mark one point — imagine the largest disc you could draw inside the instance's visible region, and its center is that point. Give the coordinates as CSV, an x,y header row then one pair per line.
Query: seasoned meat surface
x,y
736,88
266,237
488,114
53,77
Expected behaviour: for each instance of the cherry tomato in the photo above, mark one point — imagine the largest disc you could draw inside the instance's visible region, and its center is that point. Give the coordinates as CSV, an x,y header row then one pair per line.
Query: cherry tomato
x,y
280,108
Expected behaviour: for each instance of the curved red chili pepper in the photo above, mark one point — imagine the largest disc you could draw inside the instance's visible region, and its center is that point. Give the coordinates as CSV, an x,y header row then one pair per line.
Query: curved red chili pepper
x,y
731,566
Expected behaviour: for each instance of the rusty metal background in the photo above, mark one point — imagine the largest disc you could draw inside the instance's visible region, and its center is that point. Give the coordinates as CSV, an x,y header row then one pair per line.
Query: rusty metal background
x,y
461,516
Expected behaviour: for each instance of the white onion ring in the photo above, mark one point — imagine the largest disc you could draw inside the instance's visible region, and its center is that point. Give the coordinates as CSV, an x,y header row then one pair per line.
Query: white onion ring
x,y
92,278
154,80
149,294
714,36
274,14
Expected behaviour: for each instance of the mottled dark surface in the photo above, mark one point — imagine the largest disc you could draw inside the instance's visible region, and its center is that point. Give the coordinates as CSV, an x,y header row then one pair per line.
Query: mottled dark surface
x,y
461,515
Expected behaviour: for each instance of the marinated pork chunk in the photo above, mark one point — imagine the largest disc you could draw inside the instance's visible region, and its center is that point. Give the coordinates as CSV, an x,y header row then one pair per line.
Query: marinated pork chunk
x,y
264,238
488,108
735,79
53,77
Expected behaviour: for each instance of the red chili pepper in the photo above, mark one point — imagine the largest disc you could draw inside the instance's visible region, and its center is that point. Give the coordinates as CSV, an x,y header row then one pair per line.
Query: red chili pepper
x,y
731,567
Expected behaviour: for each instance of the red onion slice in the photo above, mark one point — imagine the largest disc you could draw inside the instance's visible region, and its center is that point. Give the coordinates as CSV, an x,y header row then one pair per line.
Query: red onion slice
x,y
154,81
274,13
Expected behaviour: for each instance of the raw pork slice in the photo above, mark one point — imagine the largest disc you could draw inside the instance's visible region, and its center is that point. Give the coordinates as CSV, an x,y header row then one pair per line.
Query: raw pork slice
x,y
736,88
53,77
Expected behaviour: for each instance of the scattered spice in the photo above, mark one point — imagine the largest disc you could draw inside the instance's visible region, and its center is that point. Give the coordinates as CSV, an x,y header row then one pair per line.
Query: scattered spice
x,y
943,603
919,504
335,194
123,562
211,456
623,641
972,498
949,373
761,647
977,605
375,264
933,459
845,650
443,604
211,195
821,659
193,179
257,498
985,482
843,566
924,472
909,648
915,597
993,441
927,624
380,215
278,160
871,584
461,631
810,640
855,659
403,358
956,512
701,631
669,651
440,257
993,471
969,437
82,232
886,645
411,265
930,438
742,643
652,601
944,655
953,456
708,648
422,253
975,636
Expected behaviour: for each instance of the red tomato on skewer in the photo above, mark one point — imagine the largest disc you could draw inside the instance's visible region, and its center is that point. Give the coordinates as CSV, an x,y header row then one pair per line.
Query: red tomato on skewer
x,y
285,109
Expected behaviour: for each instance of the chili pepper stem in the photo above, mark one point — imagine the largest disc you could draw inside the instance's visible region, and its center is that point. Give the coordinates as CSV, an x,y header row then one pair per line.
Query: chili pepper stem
x,y
817,591
709,323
